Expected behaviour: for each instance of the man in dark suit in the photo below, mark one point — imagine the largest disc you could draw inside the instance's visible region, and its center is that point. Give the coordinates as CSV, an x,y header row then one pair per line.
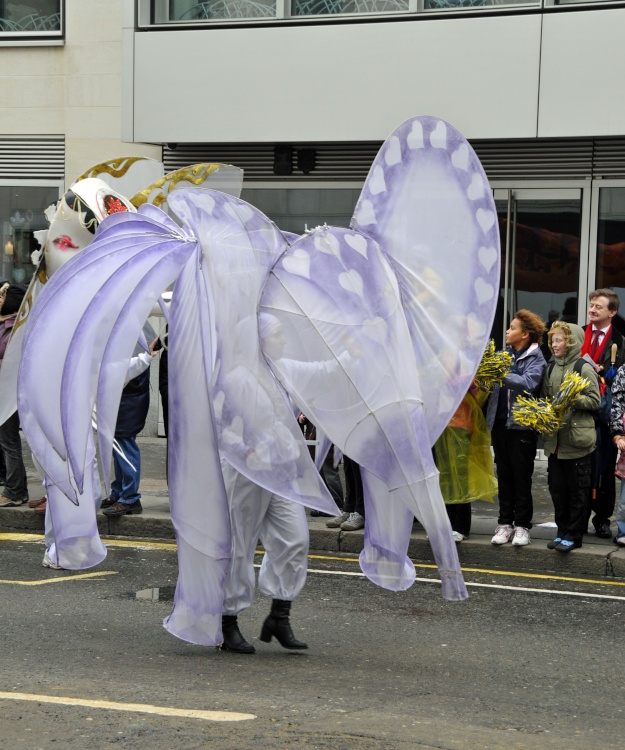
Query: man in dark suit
x,y
605,345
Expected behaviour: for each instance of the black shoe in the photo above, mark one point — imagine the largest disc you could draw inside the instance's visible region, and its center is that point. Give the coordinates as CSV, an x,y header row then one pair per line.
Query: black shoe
x,y
554,543
108,502
233,639
603,531
318,514
123,509
277,624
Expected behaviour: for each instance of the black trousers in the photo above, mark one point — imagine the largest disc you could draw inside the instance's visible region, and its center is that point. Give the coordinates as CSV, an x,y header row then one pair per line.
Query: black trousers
x,y
354,498
460,517
604,500
570,483
515,451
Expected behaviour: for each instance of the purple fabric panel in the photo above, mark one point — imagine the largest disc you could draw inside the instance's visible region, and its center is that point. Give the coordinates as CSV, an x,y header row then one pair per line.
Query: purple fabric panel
x,y
142,286
77,543
428,204
51,327
388,528
258,433
199,507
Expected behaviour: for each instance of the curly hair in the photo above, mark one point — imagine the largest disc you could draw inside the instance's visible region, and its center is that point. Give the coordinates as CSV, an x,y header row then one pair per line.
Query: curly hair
x,y
560,326
532,324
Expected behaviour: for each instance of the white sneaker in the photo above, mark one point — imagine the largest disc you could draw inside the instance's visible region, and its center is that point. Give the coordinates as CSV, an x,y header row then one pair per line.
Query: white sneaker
x,y
503,534
335,523
458,537
521,537
47,562
353,523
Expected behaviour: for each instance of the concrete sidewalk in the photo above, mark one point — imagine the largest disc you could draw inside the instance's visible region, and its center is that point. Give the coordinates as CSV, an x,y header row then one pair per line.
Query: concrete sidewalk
x,y
596,559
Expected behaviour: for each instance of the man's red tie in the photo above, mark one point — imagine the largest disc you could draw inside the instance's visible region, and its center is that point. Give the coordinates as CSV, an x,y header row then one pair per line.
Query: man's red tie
x,y
594,346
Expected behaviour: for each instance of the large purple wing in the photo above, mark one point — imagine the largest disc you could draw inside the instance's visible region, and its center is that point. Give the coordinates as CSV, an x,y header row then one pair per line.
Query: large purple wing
x,y
347,361
427,202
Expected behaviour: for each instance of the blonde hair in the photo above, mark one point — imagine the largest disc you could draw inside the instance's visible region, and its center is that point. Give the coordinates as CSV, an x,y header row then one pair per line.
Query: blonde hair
x,y
560,326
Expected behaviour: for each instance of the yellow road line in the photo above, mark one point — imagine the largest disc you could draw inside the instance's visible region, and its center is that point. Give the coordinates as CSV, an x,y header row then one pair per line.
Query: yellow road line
x,y
507,573
354,560
143,708
62,579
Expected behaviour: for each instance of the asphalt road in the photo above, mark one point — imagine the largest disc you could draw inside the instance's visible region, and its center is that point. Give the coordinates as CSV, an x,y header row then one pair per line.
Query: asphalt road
x,y
526,662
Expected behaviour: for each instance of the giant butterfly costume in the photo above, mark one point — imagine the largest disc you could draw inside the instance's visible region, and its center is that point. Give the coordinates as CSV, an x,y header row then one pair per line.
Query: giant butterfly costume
x,y
384,324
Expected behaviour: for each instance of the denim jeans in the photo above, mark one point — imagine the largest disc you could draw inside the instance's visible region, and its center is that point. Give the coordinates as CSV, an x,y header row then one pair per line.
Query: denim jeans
x,y
125,486
15,486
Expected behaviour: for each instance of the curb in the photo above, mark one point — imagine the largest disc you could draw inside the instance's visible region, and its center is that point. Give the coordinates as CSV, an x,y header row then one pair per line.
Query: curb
x,y
598,560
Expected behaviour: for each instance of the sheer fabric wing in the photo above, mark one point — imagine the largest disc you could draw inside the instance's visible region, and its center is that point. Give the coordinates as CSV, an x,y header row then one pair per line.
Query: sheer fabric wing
x,y
427,202
346,360
258,433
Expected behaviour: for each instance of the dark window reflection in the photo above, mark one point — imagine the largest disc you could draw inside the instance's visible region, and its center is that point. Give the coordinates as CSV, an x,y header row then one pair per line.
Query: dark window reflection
x,y
611,246
543,260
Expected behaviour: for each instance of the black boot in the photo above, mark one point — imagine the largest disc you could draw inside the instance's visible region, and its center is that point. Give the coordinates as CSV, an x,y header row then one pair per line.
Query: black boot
x,y
277,623
233,640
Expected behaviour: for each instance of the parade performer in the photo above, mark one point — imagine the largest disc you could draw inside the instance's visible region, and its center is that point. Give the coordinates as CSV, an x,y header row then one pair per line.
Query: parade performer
x,y
411,285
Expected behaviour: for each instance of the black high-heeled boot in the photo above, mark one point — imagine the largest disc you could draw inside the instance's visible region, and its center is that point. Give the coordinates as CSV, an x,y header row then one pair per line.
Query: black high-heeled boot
x,y
233,640
277,624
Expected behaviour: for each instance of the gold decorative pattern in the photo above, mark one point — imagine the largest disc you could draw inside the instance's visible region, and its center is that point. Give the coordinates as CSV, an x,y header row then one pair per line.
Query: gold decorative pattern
x,y
114,167
195,174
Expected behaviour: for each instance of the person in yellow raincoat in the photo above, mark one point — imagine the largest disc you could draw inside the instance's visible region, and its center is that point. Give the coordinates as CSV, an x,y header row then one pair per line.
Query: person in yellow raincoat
x,y
464,460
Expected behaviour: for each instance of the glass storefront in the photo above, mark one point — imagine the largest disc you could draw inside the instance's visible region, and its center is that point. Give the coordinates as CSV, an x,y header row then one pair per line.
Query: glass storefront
x,y
21,214
540,232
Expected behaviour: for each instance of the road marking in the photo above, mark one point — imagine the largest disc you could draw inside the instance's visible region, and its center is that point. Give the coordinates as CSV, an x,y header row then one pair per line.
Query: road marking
x,y
7,537
524,589
61,579
143,708
353,560
506,573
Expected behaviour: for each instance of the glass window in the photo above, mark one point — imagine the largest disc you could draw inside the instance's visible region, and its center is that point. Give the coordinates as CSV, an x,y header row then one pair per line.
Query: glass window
x,y
296,210
454,4
216,10
325,7
30,18
611,242
21,214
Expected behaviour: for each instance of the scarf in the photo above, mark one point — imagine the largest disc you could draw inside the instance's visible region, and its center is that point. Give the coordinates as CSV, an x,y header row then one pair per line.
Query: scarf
x,y
587,345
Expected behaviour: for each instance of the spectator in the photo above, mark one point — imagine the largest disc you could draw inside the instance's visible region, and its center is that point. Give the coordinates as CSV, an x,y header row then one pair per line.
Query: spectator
x,y
605,345
464,460
15,484
514,446
328,471
352,517
125,498
570,449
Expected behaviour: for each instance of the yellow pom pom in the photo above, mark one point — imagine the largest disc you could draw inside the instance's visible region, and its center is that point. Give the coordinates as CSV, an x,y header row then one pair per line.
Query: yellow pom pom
x,y
493,368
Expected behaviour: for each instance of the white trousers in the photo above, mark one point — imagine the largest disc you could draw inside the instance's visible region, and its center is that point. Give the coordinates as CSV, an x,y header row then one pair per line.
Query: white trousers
x,y
281,526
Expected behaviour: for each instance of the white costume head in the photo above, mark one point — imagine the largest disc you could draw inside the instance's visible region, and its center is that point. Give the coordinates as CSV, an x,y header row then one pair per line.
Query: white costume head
x,y
74,219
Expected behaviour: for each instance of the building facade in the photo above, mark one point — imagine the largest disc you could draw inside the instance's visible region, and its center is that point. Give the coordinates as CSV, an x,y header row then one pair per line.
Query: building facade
x,y
301,93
